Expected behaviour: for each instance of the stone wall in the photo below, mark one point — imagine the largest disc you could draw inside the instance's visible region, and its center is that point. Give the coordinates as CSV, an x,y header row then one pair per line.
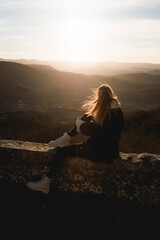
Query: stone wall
x,y
133,177
85,197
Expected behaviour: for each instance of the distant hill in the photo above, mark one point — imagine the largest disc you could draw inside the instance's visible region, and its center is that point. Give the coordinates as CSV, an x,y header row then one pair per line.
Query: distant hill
x,y
155,72
42,67
28,85
36,84
93,68
18,81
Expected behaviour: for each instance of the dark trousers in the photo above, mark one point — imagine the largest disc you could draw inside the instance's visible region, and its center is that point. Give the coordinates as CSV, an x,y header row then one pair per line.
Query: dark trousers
x,y
76,150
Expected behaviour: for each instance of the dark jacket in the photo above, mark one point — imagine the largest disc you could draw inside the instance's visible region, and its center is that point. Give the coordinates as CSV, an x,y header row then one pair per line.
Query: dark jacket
x,y
103,142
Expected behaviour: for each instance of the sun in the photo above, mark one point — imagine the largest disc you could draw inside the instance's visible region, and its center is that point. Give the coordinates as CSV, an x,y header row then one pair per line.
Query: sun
x,y
77,39
81,39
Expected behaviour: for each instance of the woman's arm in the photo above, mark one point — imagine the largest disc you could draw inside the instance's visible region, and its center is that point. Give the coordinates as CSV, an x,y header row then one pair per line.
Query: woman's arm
x,y
86,118
87,128
73,132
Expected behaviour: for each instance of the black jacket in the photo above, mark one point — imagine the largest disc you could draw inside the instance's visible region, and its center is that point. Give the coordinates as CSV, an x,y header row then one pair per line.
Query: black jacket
x,y
103,142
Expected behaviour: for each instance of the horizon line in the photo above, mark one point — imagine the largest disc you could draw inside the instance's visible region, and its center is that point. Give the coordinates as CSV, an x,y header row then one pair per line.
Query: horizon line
x,y
78,61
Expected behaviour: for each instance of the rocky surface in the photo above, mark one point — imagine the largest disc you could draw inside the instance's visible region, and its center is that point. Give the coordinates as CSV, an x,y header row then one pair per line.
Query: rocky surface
x,y
123,192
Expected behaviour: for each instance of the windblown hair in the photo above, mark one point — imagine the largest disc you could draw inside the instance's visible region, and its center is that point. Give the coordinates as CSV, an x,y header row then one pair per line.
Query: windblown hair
x,y
99,104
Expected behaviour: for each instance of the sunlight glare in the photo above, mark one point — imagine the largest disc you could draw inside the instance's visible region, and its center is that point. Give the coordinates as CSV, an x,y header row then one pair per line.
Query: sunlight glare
x,y
77,38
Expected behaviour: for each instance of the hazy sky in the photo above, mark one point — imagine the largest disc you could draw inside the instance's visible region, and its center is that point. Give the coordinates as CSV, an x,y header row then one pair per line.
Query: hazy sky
x,y
81,30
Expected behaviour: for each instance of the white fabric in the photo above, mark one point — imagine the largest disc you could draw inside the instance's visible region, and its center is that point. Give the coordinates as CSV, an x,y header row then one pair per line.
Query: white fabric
x,y
42,185
115,104
61,142
79,122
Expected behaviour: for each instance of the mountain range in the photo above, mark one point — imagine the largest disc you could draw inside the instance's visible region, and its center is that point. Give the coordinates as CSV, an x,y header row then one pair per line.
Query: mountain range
x,y
94,68
36,84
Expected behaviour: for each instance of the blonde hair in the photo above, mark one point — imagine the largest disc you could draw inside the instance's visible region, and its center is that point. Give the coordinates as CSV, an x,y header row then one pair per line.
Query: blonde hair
x,y
99,104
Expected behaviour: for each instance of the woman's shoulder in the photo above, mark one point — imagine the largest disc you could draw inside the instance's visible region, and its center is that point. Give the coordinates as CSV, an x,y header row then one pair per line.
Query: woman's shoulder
x,y
114,114
115,104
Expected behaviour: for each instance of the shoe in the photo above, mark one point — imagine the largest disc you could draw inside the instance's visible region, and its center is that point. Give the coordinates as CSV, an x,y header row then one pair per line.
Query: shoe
x,y
42,185
61,142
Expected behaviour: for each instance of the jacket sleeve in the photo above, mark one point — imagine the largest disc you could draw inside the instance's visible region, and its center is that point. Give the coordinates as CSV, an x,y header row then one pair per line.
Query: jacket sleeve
x,y
89,129
87,118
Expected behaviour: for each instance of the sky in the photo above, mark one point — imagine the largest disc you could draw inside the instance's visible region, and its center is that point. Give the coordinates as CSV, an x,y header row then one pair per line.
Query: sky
x,y
81,30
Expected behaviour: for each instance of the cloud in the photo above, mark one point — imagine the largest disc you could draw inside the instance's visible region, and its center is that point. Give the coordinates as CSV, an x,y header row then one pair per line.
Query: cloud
x,y
80,5
3,22
92,4
115,27
9,4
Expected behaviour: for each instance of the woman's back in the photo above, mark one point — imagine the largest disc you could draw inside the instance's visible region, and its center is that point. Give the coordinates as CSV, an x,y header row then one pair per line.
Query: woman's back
x,y
104,141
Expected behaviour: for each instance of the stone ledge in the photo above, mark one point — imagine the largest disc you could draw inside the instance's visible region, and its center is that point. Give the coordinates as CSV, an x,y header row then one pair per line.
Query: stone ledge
x,y
133,177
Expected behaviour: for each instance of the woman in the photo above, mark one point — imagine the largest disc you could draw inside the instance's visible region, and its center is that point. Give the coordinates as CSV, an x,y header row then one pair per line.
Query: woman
x,y
103,123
